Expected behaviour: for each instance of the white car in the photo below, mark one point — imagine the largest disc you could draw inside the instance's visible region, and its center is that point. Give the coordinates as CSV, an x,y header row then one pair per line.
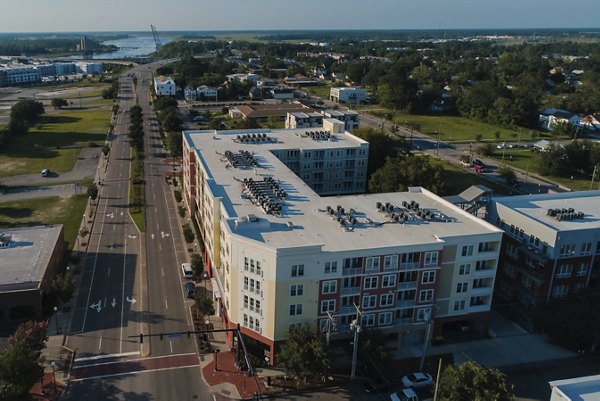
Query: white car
x,y
45,172
417,380
186,268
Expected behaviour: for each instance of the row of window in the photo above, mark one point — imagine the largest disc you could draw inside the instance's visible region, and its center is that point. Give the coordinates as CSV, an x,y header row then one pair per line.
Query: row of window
x,y
566,270
252,304
252,323
253,266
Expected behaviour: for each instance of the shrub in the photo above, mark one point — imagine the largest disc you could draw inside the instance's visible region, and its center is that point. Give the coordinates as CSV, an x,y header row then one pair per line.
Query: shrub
x,y
178,196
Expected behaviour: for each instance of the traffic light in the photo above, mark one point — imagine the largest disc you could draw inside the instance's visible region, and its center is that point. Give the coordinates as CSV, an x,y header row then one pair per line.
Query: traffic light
x,y
141,338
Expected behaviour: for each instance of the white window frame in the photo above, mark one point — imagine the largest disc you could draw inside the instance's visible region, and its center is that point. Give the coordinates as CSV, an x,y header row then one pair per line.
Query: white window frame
x,y
391,281
373,263
296,290
564,270
460,306
462,287
426,295
329,287
298,270
369,301
428,277
431,258
295,309
467,250
386,299
372,283
368,320
384,319
390,262
328,305
330,267
464,269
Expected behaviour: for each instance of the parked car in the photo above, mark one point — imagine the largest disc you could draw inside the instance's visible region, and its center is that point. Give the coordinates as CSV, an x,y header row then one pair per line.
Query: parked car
x,y
404,395
478,162
372,386
417,380
186,268
190,289
45,172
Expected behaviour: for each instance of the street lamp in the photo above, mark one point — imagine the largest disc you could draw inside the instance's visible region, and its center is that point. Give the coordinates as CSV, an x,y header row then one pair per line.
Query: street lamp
x,y
56,319
53,364
204,278
355,327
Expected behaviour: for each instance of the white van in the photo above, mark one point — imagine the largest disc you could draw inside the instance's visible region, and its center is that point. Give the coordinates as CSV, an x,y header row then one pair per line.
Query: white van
x,y
186,268
406,394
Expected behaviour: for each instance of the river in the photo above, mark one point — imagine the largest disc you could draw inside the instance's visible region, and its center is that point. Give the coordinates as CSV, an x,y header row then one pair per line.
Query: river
x,y
131,47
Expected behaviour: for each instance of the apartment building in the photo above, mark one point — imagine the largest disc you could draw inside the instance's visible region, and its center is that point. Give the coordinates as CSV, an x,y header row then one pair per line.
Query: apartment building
x,y
350,118
551,248
283,254
301,119
348,95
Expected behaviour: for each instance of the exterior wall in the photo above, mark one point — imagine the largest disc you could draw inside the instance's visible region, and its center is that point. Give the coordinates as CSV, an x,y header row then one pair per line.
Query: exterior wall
x,y
347,95
164,86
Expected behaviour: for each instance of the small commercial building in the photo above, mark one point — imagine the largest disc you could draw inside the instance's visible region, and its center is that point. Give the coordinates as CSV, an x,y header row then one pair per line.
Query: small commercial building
x,y
29,258
351,95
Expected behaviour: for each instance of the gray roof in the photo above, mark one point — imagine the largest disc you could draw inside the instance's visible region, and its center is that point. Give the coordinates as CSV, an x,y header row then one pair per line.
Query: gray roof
x,y
579,388
23,264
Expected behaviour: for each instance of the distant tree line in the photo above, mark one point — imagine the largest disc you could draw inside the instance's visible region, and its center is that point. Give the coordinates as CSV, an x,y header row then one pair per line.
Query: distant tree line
x,y
41,46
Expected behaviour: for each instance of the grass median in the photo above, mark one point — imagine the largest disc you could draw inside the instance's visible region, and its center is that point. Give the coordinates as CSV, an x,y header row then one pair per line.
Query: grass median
x,y
53,210
137,194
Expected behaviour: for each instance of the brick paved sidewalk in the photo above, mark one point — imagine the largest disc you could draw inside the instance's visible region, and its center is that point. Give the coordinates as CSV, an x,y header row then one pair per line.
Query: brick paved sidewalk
x,y
227,380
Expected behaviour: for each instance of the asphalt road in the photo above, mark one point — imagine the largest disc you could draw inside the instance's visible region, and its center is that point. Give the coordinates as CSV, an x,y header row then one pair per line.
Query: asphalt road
x,y
131,282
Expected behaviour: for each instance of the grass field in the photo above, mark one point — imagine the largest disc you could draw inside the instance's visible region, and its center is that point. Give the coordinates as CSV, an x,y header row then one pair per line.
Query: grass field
x,y
458,179
54,142
53,210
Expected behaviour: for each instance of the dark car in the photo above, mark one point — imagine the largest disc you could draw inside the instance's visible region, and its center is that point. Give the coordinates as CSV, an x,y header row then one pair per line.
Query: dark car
x,y
190,289
478,162
373,386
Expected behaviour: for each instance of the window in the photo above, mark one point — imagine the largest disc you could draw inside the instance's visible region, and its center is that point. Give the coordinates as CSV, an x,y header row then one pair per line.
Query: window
x,y
467,250
509,270
564,270
388,281
259,268
297,270
328,306
426,295
464,269
385,318
373,263
296,290
390,262
246,263
431,258
413,257
428,277
586,248
459,305
245,283
423,314
462,287
295,309
583,269
330,267
246,301
369,301
386,299
329,287
245,320
485,247
370,283
566,250
368,320
560,291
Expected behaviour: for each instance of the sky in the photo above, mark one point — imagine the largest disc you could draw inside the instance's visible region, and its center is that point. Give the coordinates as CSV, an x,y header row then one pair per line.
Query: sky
x,y
211,15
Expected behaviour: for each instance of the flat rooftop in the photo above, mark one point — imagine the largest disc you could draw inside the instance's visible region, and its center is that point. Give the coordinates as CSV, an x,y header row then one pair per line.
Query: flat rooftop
x,y
305,219
580,388
23,264
535,207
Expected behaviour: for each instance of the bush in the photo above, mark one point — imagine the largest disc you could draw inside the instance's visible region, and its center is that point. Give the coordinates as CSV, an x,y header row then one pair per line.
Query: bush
x,y
178,196
188,234
181,210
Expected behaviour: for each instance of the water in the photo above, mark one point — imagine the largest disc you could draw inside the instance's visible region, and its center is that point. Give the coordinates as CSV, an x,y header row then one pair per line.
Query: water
x,y
132,47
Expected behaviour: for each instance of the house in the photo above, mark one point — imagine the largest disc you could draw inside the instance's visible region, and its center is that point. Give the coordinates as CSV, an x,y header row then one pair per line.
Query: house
x,y
164,86
281,93
550,117
350,118
243,78
303,120
591,122
207,92
351,95
264,111
255,93
551,248
190,93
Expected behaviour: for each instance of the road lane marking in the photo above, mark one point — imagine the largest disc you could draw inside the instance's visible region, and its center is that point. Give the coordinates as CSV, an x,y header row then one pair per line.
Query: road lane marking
x,y
163,271
123,296
97,357
166,304
100,343
171,346
133,372
108,272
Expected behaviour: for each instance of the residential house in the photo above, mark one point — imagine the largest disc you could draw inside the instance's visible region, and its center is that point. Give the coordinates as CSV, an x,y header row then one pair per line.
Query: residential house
x,y
550,117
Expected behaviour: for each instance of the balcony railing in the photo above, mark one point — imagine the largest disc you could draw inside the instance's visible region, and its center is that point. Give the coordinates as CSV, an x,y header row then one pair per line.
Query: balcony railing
x,y
352,271
350,290
479,308
409,266
390,268
485,273
408,285
481,291
405,303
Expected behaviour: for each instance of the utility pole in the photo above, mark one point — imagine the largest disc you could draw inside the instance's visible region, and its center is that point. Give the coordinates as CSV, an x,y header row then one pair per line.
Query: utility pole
x,y
429,321
593,176
331,326
355,326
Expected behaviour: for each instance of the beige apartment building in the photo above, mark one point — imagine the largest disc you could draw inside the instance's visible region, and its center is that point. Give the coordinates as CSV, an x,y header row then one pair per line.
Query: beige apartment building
x,y
282,253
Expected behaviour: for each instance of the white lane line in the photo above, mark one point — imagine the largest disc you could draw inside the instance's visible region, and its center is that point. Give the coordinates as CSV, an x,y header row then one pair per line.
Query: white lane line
x,y
133,372
108,271
123,296
171,345
166,304
100,343
97,357
163,271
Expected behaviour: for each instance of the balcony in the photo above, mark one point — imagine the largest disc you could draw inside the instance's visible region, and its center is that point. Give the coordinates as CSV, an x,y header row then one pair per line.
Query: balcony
x,y
409,303
481,291
390,268
347,310
479,308
352,272
485,273
408,285
409,266
350,290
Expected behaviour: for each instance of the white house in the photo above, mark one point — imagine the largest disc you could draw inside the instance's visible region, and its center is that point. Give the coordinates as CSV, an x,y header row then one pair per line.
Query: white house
x,y
549,118
190,93
243,78
351,95
207,92
164,86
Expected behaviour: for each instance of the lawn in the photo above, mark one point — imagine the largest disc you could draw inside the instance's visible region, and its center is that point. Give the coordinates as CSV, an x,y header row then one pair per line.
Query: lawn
x,y
319,91
52,210
54,142
458,179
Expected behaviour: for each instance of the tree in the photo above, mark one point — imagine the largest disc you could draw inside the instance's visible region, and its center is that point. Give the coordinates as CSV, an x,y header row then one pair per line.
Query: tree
x,y
471,382
304,353
197,265
553,160
59,103
105,149
20,363
92,191
204,306
63,285
381,146
188,234
402,172
507,173
27,110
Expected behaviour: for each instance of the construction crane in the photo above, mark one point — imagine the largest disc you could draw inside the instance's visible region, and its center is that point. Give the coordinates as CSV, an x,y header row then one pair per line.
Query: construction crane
x,y
156,38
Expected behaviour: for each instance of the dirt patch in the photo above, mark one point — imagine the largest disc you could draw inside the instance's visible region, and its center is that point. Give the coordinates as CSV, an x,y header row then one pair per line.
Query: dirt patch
x,y
9,165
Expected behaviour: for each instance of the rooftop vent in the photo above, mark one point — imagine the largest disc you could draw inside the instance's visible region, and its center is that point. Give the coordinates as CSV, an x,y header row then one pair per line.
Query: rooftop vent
x,y
565,214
